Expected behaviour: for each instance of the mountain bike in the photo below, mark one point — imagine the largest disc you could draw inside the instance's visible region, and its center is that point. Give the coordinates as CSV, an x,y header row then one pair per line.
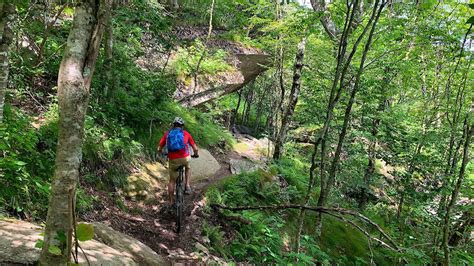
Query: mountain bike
x,y
179,197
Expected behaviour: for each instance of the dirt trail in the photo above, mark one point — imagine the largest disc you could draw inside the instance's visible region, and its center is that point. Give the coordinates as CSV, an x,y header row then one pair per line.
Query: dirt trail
x,y
151,224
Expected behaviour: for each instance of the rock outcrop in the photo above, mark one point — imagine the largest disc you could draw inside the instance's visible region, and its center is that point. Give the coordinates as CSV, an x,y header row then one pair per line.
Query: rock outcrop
x,y
247,67
247,63
18,239
238,166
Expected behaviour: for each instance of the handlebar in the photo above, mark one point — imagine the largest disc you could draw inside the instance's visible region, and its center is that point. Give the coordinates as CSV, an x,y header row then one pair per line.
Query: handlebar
x,y
165,155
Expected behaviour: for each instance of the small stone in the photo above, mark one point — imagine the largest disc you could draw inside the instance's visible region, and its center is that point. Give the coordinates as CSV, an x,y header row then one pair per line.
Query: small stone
x,y
202,248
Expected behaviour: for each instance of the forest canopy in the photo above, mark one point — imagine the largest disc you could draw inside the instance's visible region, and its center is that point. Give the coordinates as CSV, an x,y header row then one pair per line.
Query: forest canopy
x,y
352,120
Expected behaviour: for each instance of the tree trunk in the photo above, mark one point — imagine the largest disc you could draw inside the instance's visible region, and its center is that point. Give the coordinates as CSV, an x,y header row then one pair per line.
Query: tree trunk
x,y
204,51
108,52
370,170
469,129
371,151
258,115
290,109
326,21
6,37
74,78
333,99
462,229
323,196
245,102
236,111
249,102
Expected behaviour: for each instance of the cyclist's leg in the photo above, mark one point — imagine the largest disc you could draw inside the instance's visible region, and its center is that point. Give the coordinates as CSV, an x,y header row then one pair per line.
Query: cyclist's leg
x,y
173,166
187,173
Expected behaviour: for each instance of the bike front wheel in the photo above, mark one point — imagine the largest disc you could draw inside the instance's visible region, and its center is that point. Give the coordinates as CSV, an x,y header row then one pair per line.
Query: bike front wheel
x,y
179,202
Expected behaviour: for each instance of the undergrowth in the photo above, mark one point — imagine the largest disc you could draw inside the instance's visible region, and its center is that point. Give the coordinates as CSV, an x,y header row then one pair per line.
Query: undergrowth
x,y
125,120
268,236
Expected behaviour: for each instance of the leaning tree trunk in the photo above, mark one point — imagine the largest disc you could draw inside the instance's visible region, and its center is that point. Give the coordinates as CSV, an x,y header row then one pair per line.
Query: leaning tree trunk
x,y
469,129
334,96
6,36
324,194
290,109
74,78
370,170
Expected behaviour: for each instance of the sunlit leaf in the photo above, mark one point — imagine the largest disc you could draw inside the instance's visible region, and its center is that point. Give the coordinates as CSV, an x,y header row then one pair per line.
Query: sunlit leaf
x,y
470,20
54,250
85,232
39,243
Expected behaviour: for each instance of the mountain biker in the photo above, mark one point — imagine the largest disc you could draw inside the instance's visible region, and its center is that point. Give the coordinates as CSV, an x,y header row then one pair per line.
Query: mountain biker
x,y
177,141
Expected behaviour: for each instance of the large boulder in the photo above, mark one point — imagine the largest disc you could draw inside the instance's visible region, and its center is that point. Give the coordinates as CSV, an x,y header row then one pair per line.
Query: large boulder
x,y
142,183
18,239
242,165
246,68
205,166
255,149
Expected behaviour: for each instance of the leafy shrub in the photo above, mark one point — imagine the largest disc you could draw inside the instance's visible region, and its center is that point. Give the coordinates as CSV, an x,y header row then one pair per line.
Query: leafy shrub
x,y
25,171
259,241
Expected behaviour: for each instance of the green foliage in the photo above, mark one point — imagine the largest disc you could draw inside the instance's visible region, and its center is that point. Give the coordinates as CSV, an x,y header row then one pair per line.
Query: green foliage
x,y
215,236
415,81
186,61
25,169
84,232
39,243
54,250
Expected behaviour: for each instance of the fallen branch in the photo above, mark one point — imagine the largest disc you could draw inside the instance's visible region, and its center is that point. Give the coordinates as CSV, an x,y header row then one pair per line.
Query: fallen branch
x,y
330,211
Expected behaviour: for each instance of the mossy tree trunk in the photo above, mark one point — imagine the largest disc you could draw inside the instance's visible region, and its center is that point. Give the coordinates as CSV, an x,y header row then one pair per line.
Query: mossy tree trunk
x,y
6,36
74,79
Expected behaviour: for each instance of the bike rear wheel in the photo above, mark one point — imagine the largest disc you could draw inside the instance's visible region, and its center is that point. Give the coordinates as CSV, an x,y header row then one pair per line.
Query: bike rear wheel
x,y
179,200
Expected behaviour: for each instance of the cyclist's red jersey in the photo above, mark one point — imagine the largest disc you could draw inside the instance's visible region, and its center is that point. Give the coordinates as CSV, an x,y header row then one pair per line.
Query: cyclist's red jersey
x,y
181,153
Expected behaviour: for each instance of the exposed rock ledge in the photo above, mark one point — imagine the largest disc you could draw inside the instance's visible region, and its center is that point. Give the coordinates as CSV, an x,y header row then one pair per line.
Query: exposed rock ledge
x,y
247,67
247,62
18,239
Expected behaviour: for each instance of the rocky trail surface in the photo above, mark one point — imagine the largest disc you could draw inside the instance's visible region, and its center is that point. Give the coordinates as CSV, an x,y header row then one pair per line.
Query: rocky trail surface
x,y
133,227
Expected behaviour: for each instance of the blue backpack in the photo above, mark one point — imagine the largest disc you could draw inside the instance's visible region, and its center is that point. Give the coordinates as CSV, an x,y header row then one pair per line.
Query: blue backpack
x,y
175,140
